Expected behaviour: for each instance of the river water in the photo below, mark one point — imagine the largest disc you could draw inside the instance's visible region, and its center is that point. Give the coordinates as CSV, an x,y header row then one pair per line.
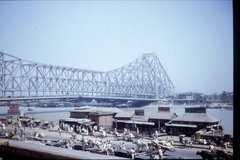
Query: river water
x,y
54,114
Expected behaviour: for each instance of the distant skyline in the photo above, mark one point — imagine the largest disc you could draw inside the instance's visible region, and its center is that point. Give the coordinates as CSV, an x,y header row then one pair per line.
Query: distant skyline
x,y
192,39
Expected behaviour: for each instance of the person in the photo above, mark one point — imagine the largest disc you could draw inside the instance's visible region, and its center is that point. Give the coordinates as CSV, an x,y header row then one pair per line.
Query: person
x,y
125,130
137,130
95,128
211,147
93,133
104,133
7,135
60,131
79,129
68,144
113,151
132,153
15,130
190,144
167,139
172,142
87,132
123,146
104,146
228,144
21,134
4,126
225,145
90,128
19,124
204,141
36,134
131,135
101,129
71,129
108,147
160,152
156,134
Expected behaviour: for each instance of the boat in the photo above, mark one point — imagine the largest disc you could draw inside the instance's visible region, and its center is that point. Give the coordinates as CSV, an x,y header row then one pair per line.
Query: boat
x,y
30,109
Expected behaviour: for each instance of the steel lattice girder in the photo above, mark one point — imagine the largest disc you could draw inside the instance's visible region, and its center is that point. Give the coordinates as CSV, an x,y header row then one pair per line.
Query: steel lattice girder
x,y
142,78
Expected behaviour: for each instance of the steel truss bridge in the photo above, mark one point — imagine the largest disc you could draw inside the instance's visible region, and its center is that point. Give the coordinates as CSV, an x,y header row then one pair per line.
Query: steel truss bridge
x,y
143,78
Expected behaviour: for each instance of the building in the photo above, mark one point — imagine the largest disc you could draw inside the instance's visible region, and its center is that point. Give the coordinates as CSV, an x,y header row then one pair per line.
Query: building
x,y
103,117
133,120
161,117
124,115
189,98
193,120
80,113
226,97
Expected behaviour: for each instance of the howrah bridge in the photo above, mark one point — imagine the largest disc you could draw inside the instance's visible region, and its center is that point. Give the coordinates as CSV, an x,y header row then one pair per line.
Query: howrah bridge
x,y
142,79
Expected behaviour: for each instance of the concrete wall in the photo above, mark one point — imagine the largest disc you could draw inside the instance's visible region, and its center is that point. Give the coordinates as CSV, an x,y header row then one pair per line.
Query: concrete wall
x,y
105,121
23,150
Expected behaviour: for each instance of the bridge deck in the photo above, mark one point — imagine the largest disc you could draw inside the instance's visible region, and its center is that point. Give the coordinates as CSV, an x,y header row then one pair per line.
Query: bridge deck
x,y
66,97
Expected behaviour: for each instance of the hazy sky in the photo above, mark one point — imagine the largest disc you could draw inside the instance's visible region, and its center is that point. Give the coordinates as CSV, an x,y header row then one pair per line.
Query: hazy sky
x,y
192,39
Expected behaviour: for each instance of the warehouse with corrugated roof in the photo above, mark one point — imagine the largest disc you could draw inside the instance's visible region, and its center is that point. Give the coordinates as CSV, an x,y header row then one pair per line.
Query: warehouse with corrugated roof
x,y
193,120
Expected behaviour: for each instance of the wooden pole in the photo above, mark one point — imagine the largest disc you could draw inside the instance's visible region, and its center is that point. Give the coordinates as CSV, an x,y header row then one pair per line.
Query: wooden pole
x,y
159,126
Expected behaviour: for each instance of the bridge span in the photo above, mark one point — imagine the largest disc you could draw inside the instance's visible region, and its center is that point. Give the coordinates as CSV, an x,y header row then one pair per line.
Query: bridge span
x,y
74,97
141,79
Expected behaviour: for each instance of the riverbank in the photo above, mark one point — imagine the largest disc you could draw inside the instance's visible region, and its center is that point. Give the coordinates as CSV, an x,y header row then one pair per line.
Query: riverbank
x,y
50,135
54,114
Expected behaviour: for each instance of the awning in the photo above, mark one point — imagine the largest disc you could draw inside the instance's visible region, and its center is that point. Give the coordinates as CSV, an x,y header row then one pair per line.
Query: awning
x,y
134,122
138,122
181,125
89,123
75,120
211,126
25,119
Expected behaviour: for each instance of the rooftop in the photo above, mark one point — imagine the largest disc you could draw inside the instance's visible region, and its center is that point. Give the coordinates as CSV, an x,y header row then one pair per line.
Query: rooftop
x,y
196,117
77,120
135,122
163,115
96,109
101,113
140,118
124,114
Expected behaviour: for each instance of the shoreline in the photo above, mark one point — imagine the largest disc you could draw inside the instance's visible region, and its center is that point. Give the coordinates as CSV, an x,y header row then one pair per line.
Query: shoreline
x,y
62,112
52,133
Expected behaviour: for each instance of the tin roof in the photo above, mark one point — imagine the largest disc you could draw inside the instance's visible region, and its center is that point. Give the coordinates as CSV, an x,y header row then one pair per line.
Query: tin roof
x,y
140,118
181,125
196,117
96,109
80,111
134,122
124,114
162,115
101,113
77,120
